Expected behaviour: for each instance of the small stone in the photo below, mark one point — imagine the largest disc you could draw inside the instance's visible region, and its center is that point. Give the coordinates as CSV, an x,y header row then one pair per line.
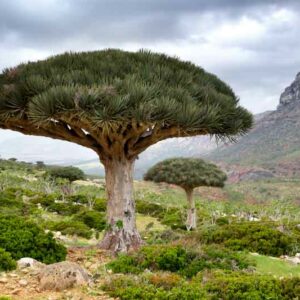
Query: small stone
x,y
16,291
3,280
23,282
13,275
25,271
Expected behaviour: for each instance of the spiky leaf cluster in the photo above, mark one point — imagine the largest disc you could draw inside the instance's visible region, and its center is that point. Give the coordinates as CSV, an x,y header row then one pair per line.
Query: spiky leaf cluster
x,y
187,173
117,101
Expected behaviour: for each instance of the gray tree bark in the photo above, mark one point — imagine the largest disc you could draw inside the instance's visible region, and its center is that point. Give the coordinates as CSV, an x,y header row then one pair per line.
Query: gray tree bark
x,y
191,222
121,234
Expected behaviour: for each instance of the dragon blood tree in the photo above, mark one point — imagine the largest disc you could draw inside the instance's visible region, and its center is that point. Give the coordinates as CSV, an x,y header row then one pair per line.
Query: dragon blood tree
x,y
118,104
188,173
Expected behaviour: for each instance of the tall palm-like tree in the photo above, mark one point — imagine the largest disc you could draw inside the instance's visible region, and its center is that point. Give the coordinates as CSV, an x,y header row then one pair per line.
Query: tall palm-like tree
x,y
118,103
188,173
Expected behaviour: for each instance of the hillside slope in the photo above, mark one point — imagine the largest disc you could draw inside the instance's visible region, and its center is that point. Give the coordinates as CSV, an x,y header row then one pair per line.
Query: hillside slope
x,y
274,142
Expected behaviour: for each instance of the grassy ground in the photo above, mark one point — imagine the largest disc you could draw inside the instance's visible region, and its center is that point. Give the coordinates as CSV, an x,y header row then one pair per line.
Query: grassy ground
x,y
275,266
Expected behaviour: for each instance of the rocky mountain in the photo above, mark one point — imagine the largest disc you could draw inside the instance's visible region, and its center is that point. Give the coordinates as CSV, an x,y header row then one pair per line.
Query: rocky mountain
x,y
273,145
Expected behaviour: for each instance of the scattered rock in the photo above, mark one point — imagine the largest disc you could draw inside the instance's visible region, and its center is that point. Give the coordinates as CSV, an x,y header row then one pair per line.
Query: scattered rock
x,y
63,275
3,280
23,282
28,262
16,291
13,275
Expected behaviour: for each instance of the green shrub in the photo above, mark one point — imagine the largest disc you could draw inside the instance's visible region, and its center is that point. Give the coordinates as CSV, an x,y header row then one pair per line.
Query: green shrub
x,y
64,209
71,227
175,258
216,257
290,288
154,286
70,173
78,199
163,237
7,263
100,204
45,200
222,221
149,208
237,286
174,218
170,216
92,219
252,236
25,239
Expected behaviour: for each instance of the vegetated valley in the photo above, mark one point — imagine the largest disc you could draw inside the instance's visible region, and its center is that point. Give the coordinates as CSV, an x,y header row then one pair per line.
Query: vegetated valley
x,y
245,245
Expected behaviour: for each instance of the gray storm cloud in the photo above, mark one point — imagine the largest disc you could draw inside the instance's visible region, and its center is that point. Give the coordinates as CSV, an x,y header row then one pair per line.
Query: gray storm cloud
x,y
253,45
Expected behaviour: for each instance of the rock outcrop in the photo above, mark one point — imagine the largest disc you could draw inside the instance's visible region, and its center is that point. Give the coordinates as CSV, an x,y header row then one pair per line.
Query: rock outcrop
x,y
291,94
272,146
63,275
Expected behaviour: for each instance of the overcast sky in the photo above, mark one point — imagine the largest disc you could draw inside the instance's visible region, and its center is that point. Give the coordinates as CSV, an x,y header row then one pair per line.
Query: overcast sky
x,y
252,45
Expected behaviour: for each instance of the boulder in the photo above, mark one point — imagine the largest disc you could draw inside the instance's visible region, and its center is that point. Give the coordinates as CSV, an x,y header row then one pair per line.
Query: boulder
x,y
62,275
28,262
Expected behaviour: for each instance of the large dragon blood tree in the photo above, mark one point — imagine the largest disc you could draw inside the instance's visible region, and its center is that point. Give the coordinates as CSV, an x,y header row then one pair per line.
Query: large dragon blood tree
x,y
118,104
188,173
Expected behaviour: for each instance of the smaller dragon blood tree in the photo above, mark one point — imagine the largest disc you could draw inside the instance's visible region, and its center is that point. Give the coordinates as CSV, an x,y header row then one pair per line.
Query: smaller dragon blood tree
x,y
187,173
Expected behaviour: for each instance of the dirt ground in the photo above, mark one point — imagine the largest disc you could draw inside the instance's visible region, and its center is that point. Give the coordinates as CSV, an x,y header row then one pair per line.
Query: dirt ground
x,y
23,284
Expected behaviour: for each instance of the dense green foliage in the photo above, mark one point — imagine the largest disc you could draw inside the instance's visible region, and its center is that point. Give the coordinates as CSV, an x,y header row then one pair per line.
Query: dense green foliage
x,y
176,258
22,238
205,286
70,173
238,286
7,263
161,286
263,238
117,86
187,173
71,227
92,219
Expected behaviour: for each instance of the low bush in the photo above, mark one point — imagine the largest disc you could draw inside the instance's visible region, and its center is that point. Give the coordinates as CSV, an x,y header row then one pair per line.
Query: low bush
x,y
71,227
263,238
64,209
22,238
149,208
154,286
207,285
7,263
170,216
175,258
78,199
100,204
92,219
237,285
290,288
45,200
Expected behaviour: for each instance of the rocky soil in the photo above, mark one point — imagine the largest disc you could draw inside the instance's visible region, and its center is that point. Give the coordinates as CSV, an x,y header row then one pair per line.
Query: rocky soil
x,y
24,283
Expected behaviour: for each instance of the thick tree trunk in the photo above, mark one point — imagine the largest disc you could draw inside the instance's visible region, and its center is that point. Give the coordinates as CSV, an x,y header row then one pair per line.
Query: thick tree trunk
x,y
191,222
121,234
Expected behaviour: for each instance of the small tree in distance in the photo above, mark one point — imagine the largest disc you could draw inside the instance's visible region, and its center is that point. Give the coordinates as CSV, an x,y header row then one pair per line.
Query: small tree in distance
x,y
187,173
118,104
70,173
